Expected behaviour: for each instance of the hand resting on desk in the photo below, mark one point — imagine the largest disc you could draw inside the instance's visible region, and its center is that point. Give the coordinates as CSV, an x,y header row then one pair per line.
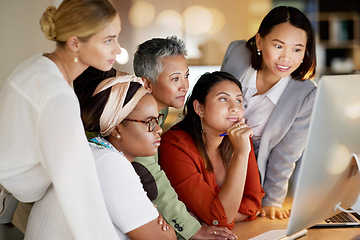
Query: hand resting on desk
x,y
273,212
212,232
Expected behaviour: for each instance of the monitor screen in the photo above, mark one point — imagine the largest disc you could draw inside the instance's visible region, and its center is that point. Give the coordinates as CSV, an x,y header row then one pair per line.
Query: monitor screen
x,y
328,174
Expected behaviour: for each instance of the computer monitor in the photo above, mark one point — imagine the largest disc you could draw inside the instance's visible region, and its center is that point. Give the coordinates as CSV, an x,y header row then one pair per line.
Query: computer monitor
x,y
329,175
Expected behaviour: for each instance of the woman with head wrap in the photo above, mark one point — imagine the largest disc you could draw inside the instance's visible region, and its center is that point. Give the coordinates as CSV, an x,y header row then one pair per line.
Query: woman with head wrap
x,y
128,121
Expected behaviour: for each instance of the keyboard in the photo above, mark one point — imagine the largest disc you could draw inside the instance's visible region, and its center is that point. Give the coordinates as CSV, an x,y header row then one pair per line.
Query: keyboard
x,y
341,219
270,235
279,234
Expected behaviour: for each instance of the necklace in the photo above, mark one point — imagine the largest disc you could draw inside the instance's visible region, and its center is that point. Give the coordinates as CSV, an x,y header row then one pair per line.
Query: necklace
x,y
100,142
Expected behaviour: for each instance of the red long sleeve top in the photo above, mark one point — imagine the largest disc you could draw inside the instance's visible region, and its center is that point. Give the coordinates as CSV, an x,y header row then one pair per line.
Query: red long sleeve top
x,y
196,187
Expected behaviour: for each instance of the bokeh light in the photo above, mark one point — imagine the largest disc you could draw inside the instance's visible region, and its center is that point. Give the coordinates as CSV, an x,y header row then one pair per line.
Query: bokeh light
x,y
142,14
197,20
122,58
218,22
169,19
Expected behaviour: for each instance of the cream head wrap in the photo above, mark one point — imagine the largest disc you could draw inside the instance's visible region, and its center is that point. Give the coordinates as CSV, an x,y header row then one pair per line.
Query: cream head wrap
x,y
114,111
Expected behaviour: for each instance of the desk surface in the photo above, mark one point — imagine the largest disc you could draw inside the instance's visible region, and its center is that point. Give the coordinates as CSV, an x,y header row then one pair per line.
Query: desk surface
x,y
246,230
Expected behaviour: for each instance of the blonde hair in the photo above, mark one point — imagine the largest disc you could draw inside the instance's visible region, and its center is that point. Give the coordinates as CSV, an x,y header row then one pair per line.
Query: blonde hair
x,y
80,18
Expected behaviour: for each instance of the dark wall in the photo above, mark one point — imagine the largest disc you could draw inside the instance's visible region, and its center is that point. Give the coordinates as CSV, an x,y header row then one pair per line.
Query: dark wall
x,y
339,6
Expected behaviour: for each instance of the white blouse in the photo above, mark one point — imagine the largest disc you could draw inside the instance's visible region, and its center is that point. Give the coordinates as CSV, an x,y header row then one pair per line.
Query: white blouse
x,y
258,108
42,141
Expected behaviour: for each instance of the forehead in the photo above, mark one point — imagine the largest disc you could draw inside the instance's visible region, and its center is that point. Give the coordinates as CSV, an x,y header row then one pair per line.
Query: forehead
x,y
146,107
225,86
288,34
112,29
173,63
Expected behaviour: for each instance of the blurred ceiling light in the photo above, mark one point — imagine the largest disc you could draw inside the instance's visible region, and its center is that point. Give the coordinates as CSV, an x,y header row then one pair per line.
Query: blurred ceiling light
x,y
197,20
123,57
218,21
141,14
169,18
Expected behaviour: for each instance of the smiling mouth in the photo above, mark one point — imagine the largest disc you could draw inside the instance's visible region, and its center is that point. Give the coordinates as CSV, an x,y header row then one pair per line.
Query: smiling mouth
x,y
284,68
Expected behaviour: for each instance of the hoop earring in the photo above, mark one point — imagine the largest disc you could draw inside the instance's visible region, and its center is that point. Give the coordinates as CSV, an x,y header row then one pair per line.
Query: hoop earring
x,y
258,52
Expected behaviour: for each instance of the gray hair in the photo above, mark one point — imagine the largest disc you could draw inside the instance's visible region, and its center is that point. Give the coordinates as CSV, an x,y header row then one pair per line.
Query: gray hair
x,y
148,55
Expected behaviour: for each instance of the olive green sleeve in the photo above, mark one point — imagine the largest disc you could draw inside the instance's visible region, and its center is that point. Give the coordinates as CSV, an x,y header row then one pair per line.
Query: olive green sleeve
x,y
172,209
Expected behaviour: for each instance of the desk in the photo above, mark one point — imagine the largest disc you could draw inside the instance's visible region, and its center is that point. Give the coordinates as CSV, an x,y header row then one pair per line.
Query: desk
x,y
246,230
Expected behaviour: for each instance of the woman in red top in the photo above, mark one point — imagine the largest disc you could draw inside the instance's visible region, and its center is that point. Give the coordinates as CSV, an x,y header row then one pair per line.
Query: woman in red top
x,y
215,176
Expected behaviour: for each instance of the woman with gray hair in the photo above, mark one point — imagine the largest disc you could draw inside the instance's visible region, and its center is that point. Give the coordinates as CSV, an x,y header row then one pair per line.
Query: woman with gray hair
x,y
161,63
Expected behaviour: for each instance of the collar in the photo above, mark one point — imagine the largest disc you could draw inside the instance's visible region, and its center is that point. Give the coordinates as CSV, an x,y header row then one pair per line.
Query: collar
x,y
277,90
274,93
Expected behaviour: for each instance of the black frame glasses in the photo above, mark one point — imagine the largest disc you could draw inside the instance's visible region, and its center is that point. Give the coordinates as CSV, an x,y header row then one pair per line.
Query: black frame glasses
x,y
151,123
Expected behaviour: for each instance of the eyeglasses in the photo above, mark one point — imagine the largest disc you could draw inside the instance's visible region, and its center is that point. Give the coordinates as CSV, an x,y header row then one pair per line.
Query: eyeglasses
x,y
151,123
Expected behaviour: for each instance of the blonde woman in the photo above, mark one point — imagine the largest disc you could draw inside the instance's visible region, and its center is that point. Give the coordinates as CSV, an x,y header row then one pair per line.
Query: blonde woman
x,y
42,139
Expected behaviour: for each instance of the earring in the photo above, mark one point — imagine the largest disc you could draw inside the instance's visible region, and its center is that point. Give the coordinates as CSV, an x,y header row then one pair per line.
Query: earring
x,y
201,122
201,114
118,136
258,52
76,59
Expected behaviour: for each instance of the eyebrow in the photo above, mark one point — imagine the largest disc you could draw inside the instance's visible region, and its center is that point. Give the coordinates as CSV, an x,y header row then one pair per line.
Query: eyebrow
x,y
298,44
110,36
239,95
177,73
149,118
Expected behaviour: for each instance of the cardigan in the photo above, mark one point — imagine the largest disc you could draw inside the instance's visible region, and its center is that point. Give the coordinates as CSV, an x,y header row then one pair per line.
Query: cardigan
x,y
284,136
196,187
